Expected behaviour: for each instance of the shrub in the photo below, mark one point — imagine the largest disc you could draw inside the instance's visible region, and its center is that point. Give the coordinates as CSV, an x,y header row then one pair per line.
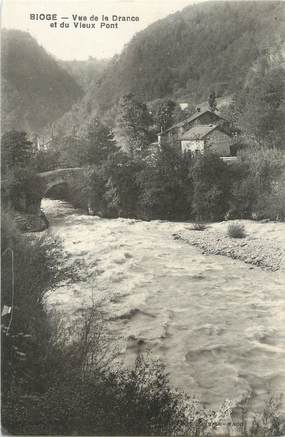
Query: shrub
x,y
236,230
267,423
36,269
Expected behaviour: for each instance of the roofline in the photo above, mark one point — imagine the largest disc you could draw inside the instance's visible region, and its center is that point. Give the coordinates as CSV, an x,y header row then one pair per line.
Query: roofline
x,y
191,118
211,130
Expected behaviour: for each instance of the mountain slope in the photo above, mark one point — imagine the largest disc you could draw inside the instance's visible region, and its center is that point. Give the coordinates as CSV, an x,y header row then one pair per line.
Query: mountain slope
x,y
35,89
207,46
86,73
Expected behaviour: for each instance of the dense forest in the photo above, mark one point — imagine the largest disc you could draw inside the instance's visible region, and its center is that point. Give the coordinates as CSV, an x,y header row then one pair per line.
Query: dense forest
x,y
86,73
202,47
218,46
35,89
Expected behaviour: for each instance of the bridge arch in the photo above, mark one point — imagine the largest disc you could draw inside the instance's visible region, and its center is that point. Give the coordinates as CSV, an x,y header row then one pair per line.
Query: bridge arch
x,y
50,179
39,185
26,200
57,191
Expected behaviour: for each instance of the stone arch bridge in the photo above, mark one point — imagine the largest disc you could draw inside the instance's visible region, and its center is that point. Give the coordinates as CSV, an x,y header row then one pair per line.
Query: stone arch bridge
x,y
26,199
37,187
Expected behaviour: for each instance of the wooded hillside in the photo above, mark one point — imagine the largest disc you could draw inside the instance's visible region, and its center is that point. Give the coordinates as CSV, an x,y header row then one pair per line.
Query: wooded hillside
x,y
201,48
35,89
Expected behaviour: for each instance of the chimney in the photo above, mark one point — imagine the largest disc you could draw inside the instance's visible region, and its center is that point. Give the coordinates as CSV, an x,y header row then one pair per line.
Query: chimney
x,y
198,109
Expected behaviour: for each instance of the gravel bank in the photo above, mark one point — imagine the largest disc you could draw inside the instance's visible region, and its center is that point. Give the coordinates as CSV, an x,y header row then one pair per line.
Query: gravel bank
x,y
257,248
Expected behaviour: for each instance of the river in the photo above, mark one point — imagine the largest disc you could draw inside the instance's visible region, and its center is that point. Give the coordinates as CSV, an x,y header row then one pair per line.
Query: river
x,y
217,323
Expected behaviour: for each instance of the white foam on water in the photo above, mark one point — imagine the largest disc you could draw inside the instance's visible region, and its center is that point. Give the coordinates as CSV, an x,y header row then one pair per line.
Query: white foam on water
x,y
218,325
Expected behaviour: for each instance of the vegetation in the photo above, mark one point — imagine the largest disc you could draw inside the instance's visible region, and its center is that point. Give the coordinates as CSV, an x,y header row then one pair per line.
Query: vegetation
x,y
86,73
211,187
133,121
258,110
164,114
35,89
236,230
16,151
25,331
203,48
212,101
17,167
259,184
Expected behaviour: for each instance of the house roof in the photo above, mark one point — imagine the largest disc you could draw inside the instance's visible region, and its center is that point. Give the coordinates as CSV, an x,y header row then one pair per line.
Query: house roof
x,y
201,131
193,117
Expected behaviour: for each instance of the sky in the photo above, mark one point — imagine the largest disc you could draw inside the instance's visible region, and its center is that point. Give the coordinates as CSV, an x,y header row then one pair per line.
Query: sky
x,y
80,43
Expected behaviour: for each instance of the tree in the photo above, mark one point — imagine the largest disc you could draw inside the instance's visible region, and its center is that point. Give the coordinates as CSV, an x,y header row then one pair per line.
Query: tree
x,y
122,190
17,165
259,110
166,189
258,184
212,101
100,143
211,187
96,189
164,114
16,151
133,122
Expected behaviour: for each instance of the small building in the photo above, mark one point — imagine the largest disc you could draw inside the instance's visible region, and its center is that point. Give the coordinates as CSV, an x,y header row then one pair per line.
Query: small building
x,y
203,138
172,135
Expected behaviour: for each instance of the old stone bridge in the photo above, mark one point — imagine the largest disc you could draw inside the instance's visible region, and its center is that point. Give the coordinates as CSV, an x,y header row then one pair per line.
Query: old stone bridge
x,y
38,186
50,179
26,201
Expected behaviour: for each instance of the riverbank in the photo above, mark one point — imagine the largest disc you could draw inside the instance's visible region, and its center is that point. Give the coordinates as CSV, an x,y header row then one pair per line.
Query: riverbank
x,y
263,245
215,323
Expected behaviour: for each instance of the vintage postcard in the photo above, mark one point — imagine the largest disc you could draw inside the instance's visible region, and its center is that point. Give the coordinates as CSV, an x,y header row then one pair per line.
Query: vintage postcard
x,y
143,218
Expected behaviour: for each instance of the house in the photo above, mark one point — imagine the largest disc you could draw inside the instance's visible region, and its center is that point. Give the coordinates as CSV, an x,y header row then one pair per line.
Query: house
x,y
202,138
172,135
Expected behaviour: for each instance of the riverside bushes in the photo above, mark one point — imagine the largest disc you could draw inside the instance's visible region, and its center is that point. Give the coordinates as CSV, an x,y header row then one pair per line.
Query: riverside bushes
x,y
175,187
26,344
125,402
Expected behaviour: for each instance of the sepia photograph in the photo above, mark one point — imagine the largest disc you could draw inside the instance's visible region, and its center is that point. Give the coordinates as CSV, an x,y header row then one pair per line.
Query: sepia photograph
x,y
143,218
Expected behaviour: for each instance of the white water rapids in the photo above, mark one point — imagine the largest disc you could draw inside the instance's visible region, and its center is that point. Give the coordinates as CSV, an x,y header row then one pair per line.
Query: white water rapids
x,y
218,324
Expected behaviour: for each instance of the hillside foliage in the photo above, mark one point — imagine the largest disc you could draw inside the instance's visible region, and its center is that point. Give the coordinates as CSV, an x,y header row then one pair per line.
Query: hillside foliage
x,y
35,90
205,47
86,73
